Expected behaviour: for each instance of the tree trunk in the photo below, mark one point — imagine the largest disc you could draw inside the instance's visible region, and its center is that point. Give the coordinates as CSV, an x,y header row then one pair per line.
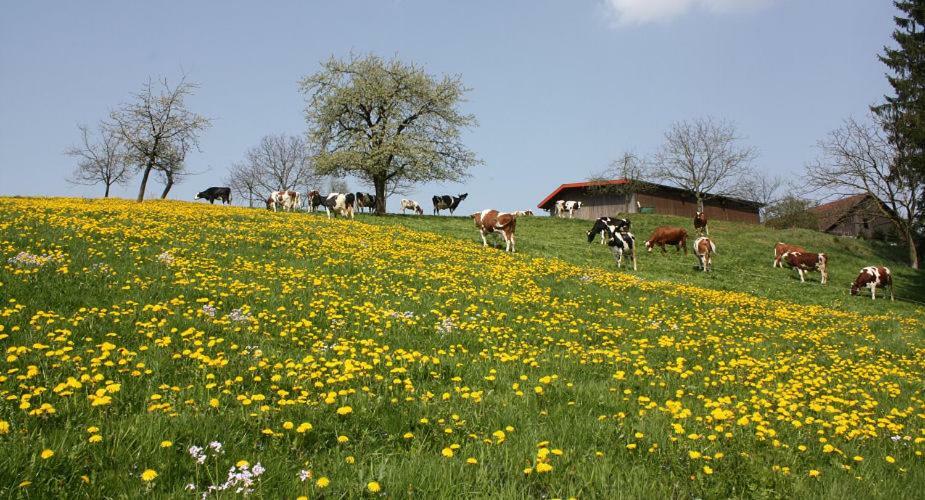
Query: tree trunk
x,y
379,185
144,183
106,194
250,198
168,185
913,251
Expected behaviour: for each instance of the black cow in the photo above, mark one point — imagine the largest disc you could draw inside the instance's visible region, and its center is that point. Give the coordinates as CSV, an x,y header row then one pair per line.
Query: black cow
x,y
447,202
216,193
366,200
601,224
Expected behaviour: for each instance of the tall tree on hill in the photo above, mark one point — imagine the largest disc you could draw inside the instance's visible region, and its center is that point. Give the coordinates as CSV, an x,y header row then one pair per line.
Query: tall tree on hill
x,y
100,161
705,158
387,123
903,114
159,130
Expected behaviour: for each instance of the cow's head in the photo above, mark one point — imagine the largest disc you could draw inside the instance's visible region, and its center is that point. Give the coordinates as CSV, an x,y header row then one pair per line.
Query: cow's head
x,y
591,235
462,196
418,209
649,246
200,196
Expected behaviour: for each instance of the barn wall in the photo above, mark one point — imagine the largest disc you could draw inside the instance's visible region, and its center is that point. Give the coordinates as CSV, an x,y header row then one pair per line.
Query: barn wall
x,y
672,203
864,221
595,205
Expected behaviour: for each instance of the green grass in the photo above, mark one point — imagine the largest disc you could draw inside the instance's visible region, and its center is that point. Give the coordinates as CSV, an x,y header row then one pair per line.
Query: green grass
x,y
647,380
743,261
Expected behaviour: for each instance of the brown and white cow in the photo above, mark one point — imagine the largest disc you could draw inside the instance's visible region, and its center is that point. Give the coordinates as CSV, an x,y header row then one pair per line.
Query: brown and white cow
x,y
411,205
666,235
873,277
806,262
493,221
781,248
700,223
704,248
288,200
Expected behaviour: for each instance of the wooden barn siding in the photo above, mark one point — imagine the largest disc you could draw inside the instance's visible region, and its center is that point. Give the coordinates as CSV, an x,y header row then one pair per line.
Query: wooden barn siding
x,y
595,205
673,204
608,205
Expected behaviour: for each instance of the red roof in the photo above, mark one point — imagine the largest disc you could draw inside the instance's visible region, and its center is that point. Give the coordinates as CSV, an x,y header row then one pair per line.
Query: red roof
x,y
833,212
580,185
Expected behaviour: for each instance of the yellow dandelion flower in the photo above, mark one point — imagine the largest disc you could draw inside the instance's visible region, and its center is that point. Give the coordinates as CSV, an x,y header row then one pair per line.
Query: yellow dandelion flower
x,y
323,482
148,475
373,487
46,454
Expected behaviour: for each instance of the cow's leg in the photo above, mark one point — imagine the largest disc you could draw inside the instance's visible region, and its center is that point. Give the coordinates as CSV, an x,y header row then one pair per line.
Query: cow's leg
x,y
512,243
603,236
873,292
484,240
707,229
891,290
800,271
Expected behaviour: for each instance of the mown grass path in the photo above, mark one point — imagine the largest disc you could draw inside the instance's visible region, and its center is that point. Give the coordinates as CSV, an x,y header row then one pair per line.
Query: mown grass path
x,y
349,359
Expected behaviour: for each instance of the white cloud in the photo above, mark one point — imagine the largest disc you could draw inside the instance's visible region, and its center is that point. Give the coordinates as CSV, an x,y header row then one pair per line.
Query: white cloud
x,y
647,11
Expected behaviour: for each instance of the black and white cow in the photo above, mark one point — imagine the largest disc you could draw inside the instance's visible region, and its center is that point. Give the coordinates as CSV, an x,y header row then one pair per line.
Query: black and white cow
x,y
621,242
366,200
216,193
339,203
563,206
447,202
601,224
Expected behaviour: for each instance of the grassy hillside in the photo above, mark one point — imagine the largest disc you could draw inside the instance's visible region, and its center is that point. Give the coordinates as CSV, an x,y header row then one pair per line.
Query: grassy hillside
x,y
743,263
177,349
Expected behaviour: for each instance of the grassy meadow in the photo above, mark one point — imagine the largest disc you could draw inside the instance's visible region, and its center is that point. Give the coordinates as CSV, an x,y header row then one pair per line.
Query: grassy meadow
x,y
183,350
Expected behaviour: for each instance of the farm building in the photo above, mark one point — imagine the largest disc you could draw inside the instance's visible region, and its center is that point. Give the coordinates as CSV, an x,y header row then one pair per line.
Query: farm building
x,y
609,198
857,216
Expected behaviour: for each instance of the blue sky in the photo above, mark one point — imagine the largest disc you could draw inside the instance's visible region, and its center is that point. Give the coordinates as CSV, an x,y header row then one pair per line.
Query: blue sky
x,y
560,88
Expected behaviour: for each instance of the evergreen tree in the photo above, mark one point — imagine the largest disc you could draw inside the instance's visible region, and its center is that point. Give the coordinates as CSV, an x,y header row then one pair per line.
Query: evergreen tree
x,y
903,114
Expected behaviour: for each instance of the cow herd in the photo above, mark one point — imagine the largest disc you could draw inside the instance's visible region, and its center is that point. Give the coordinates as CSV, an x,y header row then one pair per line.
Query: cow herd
x,y
613,232
616,233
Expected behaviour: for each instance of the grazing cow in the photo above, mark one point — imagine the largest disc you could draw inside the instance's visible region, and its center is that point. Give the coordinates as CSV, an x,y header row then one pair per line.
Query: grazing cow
x,y
704,248
666,235
621,242
806,261
288,200
315,200
700,223
411,205
493,221
781,248
563,206
601,225
366,200
447,202
339,203
216,193
523,213
873,277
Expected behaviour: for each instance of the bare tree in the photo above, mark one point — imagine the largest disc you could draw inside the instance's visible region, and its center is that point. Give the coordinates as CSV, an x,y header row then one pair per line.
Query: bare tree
x,y
629,167
705,158
281,162
762,189
338,185
243,181
858,158
159,130
99,162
